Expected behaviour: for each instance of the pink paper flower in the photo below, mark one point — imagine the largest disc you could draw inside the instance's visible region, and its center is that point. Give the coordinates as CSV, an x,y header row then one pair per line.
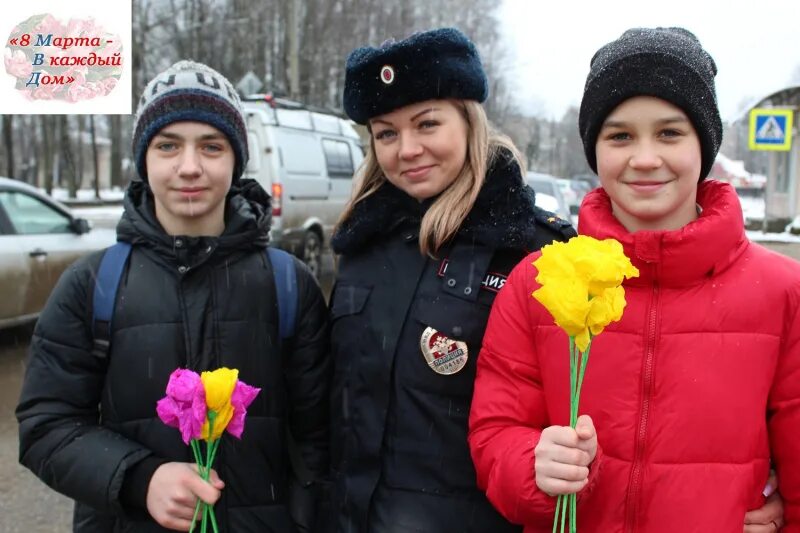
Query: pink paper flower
x,y
184,406
243,395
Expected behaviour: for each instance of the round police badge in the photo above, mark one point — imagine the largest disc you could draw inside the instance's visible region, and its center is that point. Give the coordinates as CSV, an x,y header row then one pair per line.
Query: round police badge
x,y
444,355
387,74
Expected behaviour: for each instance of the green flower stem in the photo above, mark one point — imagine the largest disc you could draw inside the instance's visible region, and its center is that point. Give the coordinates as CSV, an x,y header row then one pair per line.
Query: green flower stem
x,y
213,519
564,511
574,356
198,457
584,362
573,517
194,516
211,446
195,445
214,448
558,508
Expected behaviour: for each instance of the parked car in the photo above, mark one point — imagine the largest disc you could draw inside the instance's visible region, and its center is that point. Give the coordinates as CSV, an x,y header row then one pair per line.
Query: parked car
x,y
570,195
591,180
305,158
39,239
545,184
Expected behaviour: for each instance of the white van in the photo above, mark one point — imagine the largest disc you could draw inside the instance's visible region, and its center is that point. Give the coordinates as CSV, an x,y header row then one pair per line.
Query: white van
x,y
305,158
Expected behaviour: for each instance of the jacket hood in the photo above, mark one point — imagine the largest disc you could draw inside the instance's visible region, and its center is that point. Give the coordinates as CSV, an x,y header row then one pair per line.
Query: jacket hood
x,y
698,250
503,216
248,216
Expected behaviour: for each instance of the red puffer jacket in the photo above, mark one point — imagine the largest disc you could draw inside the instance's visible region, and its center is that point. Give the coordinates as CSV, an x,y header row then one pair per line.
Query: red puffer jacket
x,y
691,392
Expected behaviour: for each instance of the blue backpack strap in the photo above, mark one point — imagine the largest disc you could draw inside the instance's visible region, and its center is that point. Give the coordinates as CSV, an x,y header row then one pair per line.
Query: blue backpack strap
x,y
285,276
286,289
105,295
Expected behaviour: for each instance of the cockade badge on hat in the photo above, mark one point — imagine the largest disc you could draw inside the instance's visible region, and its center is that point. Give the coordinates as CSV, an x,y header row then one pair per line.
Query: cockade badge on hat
x,y
387,74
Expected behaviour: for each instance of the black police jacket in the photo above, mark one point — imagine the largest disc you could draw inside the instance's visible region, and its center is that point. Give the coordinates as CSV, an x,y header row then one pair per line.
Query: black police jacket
x,y
399,418
220,312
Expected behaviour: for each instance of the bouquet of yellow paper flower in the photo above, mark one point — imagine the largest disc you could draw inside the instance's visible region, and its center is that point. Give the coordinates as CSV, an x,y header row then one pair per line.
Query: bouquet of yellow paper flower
x,y
203,407
581,287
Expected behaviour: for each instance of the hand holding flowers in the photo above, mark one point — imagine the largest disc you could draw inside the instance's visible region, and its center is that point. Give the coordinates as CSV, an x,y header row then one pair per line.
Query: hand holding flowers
x,y
581,286
563,456
173,493
203,407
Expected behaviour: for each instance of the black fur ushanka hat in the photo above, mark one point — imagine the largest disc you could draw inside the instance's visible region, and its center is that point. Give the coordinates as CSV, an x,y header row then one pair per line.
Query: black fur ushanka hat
x,y
436,64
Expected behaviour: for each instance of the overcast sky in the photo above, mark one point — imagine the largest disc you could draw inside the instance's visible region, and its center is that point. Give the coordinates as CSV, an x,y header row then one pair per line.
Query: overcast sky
x,y
756,45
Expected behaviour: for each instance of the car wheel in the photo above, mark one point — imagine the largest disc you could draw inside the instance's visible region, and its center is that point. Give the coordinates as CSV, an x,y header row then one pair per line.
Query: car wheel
x,y
312,253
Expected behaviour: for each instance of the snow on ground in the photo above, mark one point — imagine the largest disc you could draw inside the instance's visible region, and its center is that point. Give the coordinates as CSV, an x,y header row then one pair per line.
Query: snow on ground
x,y
87,195
758,236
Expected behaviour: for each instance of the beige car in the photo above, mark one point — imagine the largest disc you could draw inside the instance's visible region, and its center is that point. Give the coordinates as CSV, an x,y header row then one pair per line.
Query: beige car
x,y
39,239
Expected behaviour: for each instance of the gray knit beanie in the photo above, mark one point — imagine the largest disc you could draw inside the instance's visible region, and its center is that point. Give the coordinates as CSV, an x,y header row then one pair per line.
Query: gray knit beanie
x,y
189,91
668,63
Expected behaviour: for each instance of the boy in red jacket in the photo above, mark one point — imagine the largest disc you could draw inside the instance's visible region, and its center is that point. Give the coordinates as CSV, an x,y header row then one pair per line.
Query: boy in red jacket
x,y
674,435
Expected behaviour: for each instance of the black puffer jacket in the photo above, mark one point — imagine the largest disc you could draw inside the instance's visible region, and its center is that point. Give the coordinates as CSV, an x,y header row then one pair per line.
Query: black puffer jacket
x,y
222,311
399,440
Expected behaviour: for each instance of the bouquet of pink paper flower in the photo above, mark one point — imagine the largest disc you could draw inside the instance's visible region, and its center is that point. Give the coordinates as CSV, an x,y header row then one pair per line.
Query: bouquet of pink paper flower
x,y
202,407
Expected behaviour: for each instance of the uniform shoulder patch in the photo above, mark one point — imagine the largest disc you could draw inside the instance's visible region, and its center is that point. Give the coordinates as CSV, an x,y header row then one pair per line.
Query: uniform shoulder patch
x,y
555,223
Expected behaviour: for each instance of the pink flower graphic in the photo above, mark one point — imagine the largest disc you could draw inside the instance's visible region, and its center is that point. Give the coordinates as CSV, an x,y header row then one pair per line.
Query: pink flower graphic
x,y
48,25
81,60
18,65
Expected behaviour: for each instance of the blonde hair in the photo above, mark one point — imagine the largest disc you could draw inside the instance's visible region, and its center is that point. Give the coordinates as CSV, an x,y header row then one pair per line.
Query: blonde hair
x,y
444,218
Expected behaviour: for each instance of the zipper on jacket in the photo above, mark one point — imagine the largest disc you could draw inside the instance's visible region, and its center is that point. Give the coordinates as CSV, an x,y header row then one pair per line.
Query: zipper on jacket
x,y
635,482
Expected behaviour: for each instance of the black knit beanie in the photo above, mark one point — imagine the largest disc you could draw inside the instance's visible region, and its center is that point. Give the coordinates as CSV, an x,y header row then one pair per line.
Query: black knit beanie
x,y
668,63
189,91
431,65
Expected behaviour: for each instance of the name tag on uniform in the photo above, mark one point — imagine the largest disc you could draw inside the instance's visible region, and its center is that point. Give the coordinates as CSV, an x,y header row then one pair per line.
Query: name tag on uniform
x,y
493,281
444,355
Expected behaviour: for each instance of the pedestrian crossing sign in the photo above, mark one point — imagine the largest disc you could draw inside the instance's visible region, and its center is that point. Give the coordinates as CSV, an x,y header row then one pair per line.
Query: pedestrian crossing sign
x,y
771,129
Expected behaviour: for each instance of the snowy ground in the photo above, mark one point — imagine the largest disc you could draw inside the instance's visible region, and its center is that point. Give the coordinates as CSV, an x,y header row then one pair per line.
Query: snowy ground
x,y
758,236
87,195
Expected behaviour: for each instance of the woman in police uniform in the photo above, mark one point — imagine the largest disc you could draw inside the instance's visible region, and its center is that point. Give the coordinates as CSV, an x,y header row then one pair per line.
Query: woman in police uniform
x,y
439,216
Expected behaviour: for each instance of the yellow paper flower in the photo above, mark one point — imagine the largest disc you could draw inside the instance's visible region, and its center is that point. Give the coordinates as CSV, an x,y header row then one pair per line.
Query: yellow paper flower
x,y
219,386
581,284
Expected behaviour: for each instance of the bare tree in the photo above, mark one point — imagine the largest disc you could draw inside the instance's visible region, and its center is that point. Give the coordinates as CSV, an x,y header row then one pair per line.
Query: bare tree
x,y
47,125
96,172
8,141
67,168
115,134
79,151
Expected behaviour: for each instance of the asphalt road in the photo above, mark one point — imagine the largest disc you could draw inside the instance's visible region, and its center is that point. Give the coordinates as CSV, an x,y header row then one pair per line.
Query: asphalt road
x,y
26,504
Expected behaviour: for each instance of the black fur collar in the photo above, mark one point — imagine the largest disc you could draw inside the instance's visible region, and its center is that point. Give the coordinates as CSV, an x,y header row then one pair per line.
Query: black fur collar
x,y
503,215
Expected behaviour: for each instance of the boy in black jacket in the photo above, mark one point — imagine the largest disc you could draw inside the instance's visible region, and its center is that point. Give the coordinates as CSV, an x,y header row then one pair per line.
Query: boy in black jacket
x,y
197,292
